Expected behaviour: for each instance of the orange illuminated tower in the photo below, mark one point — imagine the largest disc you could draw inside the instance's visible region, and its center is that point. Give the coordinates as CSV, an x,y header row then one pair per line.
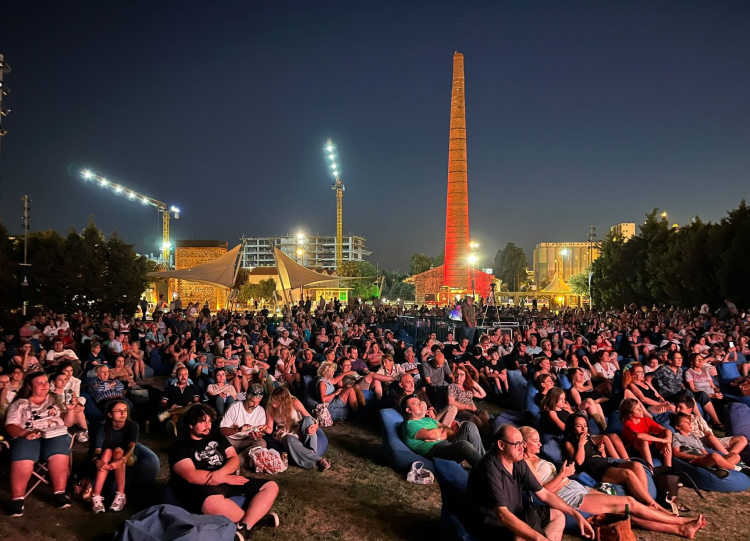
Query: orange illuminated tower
x,y
457,212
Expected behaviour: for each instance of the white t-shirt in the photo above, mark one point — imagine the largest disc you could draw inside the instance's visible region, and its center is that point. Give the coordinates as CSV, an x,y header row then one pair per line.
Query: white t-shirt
x,y
30,416
608,369
237,416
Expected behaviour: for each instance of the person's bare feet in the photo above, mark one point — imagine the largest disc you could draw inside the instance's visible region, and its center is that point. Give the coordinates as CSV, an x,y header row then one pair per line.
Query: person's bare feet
x,y
689,530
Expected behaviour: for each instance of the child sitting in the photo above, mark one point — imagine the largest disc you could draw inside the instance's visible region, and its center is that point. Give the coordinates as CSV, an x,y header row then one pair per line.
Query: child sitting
x,y
701,430
644,435
113,451
688,447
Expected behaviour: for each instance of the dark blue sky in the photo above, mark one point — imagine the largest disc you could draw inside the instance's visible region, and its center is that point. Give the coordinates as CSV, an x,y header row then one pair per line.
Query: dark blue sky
x,y
578,114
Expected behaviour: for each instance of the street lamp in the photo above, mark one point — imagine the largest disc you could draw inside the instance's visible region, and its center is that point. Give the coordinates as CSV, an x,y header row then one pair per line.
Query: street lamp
x,y
664,214
472,260
563,252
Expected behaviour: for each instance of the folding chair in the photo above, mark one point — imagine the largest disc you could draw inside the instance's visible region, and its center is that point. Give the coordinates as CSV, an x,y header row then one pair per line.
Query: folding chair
x,y
40,473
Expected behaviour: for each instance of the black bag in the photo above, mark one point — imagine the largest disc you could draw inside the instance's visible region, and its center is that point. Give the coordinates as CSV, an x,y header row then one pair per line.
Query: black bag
x,y
667,480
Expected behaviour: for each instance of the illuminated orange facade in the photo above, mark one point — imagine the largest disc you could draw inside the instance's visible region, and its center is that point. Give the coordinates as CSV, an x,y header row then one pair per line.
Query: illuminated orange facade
x,y
456,272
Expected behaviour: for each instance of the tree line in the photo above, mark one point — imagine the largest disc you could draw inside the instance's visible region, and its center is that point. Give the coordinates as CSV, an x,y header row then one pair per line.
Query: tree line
x,y
684,266
81,271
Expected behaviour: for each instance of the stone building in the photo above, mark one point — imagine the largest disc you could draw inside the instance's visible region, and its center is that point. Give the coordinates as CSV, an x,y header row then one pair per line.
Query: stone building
x,y
191,253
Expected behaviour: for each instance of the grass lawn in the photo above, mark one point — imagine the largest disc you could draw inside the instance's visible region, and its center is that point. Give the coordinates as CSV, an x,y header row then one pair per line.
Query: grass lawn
x,y
357,499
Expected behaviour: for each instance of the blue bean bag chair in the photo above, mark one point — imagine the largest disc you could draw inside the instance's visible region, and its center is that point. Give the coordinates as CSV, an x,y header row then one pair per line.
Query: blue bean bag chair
x,y
173,522
513,418
705,480
563,381
309,393
614,424
529,403
156,363
516,389
397,455
737,423
726,373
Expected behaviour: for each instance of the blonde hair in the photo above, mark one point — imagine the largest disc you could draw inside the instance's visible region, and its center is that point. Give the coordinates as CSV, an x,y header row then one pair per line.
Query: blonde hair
x,y
325,367
285,402
527,432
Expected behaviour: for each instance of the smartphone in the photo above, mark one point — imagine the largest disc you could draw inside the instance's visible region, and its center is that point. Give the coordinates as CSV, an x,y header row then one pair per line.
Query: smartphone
x,y
731,344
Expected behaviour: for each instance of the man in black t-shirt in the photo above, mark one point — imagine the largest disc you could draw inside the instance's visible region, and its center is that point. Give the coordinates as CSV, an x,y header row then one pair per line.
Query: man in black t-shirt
x,y
204,468
177,400
497,507
519,359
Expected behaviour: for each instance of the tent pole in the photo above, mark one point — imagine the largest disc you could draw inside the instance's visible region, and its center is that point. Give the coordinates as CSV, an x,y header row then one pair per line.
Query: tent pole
x,y
278,270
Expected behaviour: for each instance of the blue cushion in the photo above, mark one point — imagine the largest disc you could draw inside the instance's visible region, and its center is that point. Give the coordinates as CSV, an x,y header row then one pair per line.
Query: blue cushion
x,y
563,381
614,424
452,479
309,393
513,418
552,451
737,419
516,389
705,480
529,404
397,454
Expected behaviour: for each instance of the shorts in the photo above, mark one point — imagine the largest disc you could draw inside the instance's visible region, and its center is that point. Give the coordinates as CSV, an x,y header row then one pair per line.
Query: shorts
x,y
573,494
191,497
536,517
726,442
39,450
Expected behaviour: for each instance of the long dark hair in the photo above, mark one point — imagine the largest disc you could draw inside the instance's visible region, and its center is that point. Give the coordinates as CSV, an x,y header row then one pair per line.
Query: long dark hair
x,y
27,388
569,432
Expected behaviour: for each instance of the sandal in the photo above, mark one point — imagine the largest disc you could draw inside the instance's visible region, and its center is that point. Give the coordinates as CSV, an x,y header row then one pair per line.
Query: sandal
x,y
323,465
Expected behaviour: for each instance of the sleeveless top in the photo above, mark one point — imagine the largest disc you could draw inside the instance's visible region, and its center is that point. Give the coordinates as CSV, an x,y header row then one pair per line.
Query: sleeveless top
x,y
546,426
648,392
329,387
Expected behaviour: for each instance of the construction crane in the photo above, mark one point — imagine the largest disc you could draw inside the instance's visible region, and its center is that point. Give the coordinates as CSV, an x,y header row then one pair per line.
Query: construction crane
x,y
143,199
338,186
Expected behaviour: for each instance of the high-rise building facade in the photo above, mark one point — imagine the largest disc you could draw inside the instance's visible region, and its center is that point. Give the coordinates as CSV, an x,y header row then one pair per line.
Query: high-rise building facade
x,y
568,258
318,251
625,230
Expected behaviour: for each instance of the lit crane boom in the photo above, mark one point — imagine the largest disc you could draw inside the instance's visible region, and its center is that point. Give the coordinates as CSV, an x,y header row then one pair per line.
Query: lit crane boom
x,y
162,207
339,187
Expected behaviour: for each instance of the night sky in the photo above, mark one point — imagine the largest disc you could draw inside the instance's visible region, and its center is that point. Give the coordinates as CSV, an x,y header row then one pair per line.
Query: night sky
x,y
578,114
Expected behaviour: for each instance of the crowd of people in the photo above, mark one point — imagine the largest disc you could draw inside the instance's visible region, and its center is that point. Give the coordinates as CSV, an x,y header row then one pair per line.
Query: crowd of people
x,y
234,381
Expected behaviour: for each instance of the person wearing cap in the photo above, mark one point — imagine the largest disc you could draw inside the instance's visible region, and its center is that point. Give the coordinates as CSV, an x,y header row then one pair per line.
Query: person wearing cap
x,y
244,424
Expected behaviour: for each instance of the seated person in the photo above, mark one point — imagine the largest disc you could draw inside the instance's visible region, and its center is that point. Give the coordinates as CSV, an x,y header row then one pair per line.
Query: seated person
x,y
341,398
497,505
221,394
26,358
177,400
590,501
555,411
113,452
68,399
701,430
121,372
637,386
204,466
428,438
688,447
34,412
291,425
94,358
544,383
10,383
102,389
585,398
462,394
644,435
407,387
436,371
520,359
254,371
245,422
593,457
58,353
134,360
495,373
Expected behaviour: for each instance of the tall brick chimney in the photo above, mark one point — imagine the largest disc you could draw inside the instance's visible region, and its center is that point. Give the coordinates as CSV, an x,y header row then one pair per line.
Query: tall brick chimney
x,y
457,211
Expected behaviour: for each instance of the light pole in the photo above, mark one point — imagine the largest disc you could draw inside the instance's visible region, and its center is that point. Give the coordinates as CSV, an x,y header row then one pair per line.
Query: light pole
x,y
300,248
472,260
563,253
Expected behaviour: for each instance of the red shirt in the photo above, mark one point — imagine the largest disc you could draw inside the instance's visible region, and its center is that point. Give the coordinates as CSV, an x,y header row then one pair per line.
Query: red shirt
x,y
646,426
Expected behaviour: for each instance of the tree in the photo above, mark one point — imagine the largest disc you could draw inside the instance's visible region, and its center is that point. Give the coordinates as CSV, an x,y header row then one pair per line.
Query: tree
x,y
420,263
579,283
83,271
401,290
264,290
510,266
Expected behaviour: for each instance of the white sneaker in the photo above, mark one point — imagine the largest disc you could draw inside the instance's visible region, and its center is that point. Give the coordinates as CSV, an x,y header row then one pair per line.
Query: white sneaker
x,y
97,504
119,502
83,437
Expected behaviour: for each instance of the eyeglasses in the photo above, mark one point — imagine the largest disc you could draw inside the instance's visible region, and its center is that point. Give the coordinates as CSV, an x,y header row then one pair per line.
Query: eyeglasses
x,y
119,411
517,444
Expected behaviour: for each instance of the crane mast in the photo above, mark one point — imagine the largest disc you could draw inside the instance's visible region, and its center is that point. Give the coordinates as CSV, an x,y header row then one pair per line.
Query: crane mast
x,y
338,186
160,206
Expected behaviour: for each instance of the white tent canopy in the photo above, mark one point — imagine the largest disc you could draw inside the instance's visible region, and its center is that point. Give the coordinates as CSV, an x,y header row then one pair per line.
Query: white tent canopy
x,y
221,272
293,275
